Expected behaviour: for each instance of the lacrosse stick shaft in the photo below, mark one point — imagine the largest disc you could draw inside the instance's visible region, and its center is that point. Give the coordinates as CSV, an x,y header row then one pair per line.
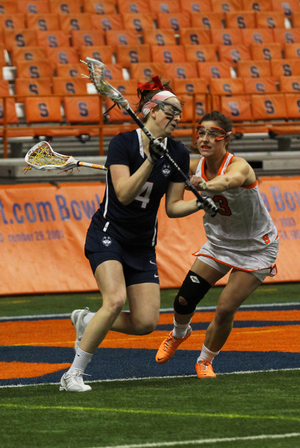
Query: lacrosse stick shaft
x,y
92,165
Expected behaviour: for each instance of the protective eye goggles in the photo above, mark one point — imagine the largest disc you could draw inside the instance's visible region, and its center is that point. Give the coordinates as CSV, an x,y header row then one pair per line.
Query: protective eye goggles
x,y
214,132
168,108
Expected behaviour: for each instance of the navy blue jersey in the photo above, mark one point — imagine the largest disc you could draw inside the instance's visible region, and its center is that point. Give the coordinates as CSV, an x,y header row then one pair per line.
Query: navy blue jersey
x,y
136,223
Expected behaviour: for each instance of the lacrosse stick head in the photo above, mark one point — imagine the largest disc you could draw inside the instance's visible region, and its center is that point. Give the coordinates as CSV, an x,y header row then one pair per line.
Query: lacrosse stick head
x,y
42,157
96,75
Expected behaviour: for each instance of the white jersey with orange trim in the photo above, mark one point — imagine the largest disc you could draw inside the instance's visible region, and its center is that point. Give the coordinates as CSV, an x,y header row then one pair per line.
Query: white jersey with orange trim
x,y
242,231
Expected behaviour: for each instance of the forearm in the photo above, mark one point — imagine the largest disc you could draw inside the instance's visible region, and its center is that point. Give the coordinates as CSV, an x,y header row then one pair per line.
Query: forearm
x,y
181,208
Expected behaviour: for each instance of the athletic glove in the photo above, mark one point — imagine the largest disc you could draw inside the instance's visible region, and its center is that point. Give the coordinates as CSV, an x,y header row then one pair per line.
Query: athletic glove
x,y
156,151
208,206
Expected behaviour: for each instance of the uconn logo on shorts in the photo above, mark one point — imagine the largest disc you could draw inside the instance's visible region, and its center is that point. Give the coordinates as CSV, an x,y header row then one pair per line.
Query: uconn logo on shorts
x,y
106,241
166,170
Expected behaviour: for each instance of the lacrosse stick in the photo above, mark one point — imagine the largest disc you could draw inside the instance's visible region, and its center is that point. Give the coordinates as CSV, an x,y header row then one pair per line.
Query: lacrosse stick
x,y
42,157
96,73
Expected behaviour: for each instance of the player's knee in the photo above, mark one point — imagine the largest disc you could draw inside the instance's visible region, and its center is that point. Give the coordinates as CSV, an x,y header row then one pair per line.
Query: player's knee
x,y
114,304
193,289
145,325
224,314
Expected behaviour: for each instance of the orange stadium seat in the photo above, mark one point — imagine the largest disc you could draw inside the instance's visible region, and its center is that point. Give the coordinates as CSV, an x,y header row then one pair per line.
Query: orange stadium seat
x,y
145,70
227,5
200,53
43,109
121,37
210,20
65,6
133,54
34,69
53,38
257,5
266,51
80,38
210,70
138,22
8,7
106,22
19,54
284,67
164,7
266,84
231,54
126,86
181,70
226,86
195,36
199,108
30,86
70,22
253,69
257,36
286,36
296,19
293,105
269,106
2,57
12,21
176,21
286,6
96,7
133,6
11,114
169,54
236,107
119,114
195,6
240,19
33,6
71,70
4,87
292,51
102,53
69,86
19,38
159,37
43,22
113,71
62,55
232,36
189,85
290,84
270,19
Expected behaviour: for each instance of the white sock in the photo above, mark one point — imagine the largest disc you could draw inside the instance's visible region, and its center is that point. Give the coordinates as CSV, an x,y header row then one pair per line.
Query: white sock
x,y
207,355
81,360
88,317
180,330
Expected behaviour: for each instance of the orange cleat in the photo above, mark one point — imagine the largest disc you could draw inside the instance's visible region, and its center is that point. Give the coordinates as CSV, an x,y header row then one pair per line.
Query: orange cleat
x,y
204,370
169,345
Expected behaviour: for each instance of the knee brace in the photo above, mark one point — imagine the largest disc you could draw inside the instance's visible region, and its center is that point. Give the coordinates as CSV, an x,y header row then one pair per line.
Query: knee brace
x,y
193,289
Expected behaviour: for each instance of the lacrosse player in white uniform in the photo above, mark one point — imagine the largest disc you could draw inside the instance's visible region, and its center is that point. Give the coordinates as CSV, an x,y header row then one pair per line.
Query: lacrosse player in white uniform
x,y
242,238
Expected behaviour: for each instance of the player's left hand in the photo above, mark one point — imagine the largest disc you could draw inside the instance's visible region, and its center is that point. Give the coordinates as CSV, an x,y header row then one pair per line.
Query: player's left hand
x,y
208,206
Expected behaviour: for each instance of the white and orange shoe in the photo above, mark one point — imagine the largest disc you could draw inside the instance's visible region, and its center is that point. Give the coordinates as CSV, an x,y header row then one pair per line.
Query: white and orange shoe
x,y
168,347
204,370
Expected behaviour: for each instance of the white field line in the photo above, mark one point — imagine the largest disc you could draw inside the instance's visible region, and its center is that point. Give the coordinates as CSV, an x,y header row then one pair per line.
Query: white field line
x,y
163,310
151,378
206,441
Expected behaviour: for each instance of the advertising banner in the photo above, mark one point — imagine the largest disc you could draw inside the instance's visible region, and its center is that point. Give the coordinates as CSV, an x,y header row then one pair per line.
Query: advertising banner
x,y
43,228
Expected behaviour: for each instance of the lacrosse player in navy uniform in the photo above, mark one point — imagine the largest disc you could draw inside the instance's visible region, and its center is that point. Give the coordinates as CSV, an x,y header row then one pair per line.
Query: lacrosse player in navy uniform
x,y
121,239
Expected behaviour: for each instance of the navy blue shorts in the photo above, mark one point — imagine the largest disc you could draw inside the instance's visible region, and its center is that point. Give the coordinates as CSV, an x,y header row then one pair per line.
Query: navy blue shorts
x,y
139,263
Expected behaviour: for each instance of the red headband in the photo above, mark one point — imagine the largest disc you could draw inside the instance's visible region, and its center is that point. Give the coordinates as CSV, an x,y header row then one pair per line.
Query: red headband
x,y
149,86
